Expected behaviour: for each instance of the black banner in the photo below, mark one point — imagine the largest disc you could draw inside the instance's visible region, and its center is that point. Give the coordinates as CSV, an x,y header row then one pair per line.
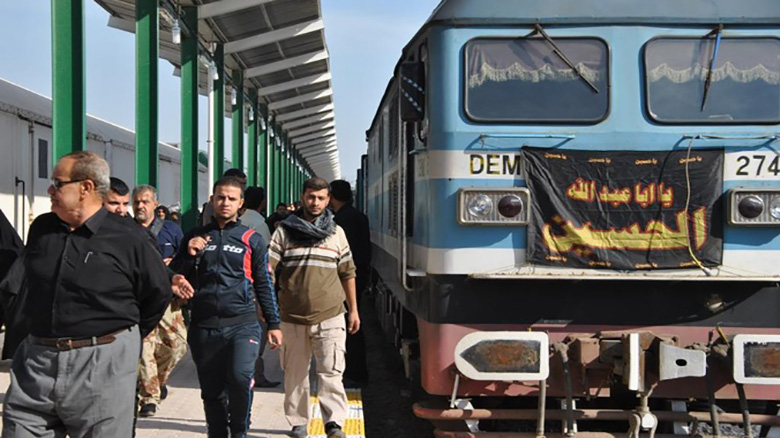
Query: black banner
x,y
625,210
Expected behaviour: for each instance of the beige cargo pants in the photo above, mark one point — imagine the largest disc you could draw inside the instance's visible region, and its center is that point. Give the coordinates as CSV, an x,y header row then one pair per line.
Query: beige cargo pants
x,y
327,342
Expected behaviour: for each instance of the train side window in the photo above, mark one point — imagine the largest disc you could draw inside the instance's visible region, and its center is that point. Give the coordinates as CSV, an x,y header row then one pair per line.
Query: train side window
x,y
742,88
381,157
393,127
410,172
423,126
380,152
393,210
523,80
412,91
43,159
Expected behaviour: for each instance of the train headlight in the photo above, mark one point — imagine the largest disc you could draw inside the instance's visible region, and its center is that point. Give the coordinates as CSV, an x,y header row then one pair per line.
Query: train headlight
x,y
510,206
750,207
754,206
774,208
480,206
501,206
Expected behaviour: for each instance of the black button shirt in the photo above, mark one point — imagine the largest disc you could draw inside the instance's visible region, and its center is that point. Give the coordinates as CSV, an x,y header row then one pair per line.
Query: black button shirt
x,y
355,225
99,278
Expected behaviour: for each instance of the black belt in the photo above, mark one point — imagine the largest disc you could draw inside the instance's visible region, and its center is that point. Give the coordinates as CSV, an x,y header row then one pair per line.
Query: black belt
x,y
65,344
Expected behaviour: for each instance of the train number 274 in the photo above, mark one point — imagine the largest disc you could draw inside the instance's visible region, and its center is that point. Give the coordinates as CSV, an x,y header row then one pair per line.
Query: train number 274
x,y
758,165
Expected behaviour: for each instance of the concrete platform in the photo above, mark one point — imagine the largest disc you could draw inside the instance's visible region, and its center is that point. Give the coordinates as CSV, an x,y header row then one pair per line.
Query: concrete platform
x,y
181,414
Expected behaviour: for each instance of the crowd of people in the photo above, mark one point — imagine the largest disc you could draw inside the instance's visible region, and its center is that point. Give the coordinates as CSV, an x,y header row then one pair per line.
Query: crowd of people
x,y
94,302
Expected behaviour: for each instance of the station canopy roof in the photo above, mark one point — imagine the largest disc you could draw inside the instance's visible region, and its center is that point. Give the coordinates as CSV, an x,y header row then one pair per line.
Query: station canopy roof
x,y
279,45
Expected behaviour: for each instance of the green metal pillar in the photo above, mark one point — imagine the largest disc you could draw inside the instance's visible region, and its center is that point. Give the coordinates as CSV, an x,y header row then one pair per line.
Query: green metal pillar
x,y
189,121
147,47
289,169
251,133
293,170
219,113
290,158
293,182
300,172
298,181
286,170
272,157
280,172
69,117
277,166
238,121
262,143
280,167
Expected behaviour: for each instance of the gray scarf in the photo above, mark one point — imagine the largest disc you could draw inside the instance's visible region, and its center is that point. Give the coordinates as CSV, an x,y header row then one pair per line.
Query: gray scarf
x,y
305,233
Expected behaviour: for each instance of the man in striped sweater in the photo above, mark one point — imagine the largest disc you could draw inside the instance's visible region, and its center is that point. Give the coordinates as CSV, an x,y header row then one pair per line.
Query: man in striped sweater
x,y
310,255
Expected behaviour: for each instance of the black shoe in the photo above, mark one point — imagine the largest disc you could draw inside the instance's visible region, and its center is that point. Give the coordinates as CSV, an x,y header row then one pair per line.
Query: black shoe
x,y
299,431
333,430
164,392
266,384
148,410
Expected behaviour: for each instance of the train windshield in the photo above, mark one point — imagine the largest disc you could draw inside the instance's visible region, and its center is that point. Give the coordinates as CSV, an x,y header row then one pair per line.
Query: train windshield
x,y
743,86
522,80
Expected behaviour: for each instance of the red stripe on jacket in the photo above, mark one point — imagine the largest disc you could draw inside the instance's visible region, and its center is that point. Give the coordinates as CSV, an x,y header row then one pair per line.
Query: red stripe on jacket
x,y
247,255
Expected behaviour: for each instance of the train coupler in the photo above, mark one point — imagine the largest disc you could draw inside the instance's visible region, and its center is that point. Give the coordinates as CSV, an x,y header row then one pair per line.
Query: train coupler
x,y
642,419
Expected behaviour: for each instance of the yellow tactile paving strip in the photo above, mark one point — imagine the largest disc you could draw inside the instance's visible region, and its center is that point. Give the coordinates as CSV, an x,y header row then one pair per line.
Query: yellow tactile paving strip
x,y
354,426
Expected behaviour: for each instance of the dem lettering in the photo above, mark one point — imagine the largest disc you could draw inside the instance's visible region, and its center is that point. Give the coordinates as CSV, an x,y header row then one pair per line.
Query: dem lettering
x,y
494,164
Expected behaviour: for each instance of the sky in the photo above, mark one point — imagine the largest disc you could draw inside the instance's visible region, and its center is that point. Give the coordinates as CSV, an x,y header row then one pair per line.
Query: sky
x,y
364,39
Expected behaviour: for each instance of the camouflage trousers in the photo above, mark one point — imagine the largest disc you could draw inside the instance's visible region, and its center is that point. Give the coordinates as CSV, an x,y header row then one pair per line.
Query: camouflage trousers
x,y
162,350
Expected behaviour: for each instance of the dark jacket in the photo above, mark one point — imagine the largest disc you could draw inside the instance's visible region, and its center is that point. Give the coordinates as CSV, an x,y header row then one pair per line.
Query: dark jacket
x,y
168,237
13,296
12,291
229,276
355,225
10,245
274,220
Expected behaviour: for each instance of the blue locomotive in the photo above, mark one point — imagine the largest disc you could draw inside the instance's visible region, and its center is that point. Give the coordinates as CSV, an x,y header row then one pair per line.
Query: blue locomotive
x,y
580,200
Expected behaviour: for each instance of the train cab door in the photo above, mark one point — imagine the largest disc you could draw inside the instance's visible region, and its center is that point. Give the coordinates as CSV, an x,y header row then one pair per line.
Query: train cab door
x,y
412,118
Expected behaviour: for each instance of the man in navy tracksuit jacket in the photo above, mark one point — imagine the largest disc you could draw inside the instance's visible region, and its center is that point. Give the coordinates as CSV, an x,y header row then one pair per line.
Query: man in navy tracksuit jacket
x,y
227,263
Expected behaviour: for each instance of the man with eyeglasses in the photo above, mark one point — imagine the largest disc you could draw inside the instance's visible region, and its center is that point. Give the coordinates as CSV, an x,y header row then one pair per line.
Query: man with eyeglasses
x,y
96,286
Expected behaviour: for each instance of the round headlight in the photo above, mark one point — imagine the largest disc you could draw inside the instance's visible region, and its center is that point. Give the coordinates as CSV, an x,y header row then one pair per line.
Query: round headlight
x,y
480,206
510,206
774,208
751,206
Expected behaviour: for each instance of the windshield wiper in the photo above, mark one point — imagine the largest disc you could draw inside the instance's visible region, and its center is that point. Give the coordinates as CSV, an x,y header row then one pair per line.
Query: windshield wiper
x,y
564,58
713,60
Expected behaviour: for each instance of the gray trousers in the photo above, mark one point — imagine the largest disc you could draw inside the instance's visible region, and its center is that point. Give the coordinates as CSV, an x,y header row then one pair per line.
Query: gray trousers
x,y
85,393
